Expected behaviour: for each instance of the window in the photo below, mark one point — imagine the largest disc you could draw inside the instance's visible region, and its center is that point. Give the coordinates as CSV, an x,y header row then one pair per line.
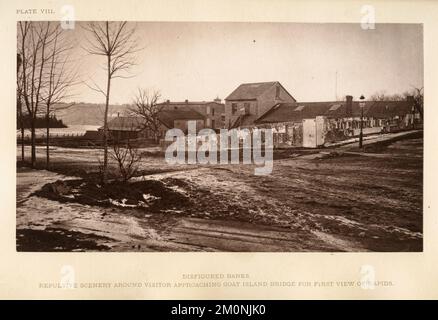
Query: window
x,y
233,108
208,109
213,124
246,106
212,111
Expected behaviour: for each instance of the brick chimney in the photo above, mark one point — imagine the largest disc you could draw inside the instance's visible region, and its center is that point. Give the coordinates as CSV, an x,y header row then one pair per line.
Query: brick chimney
x,y
187,101
349,106
218,100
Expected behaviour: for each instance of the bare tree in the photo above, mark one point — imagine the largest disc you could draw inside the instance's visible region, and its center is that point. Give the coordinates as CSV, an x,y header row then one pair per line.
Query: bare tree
x,y
383,96
127,157
115,41
59,77
20,103
378,96
146,106
418,94
44,77
34,39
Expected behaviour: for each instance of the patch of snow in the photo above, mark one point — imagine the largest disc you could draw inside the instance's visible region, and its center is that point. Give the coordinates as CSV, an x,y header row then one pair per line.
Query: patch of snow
x,y
149,197
122,203
172,211
178,189
143,204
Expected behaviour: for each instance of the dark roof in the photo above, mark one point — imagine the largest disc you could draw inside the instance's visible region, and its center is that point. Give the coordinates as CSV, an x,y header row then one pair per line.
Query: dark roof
x,y
125,124
167,117
191,105
339,109
188,103
93,135
295,112
290,112
243,121
250,91
382,109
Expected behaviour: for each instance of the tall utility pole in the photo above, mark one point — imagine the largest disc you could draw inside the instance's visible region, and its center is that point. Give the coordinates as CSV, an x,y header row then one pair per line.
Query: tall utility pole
x,y
361,105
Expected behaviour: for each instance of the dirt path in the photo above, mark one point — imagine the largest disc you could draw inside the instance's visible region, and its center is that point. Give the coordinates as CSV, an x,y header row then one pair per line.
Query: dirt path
x,y
349,201
48,225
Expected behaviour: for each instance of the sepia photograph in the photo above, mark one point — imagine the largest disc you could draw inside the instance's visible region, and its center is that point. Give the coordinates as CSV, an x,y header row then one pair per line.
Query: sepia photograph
x,y
166,136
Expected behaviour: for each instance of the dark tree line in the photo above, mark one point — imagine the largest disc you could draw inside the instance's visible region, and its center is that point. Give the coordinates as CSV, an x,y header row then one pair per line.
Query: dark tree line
x,y
25,122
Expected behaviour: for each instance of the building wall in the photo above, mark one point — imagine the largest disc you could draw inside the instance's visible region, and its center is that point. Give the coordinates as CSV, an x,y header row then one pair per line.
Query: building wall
x,y
322,130
252,107
149,134
257,107
119,135
270,98
183,124
213,115
206,109
286,134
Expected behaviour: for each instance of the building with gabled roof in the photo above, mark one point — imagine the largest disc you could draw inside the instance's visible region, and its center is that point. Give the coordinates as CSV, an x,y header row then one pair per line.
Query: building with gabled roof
x,y
347,109
337,120
385,109
133,127
126,127
179,119
213,111
251,100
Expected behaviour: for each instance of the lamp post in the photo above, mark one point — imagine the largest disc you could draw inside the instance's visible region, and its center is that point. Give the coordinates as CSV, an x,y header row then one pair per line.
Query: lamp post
x,y
361,105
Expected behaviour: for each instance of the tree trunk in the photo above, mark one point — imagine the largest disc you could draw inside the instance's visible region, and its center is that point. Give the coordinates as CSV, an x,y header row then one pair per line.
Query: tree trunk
x,y
22,142
47,139
105,125
32,143
20,114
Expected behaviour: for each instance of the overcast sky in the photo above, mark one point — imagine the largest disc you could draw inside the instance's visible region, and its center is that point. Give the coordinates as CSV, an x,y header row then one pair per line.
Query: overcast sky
x,y
199,61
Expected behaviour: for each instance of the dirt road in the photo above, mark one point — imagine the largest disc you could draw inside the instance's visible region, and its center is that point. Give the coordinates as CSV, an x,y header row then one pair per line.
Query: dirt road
x,y
46,225
347,202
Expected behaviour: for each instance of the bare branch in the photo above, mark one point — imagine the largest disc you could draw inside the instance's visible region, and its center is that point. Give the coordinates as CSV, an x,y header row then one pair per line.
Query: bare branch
x,y
115,41
146,106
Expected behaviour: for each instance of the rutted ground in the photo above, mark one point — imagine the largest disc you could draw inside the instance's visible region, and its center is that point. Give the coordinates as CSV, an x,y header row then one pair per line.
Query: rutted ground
x,y
348,202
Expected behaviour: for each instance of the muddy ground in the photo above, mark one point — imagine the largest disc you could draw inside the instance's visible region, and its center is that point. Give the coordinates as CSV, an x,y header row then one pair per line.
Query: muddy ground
x,y
331,201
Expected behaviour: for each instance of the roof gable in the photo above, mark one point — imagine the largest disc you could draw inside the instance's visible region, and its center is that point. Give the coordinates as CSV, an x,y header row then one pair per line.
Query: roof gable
x,y
250,91
126,124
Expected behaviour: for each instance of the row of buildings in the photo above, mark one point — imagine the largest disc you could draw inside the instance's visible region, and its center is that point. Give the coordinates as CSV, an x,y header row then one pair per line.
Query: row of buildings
x,y
270,105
